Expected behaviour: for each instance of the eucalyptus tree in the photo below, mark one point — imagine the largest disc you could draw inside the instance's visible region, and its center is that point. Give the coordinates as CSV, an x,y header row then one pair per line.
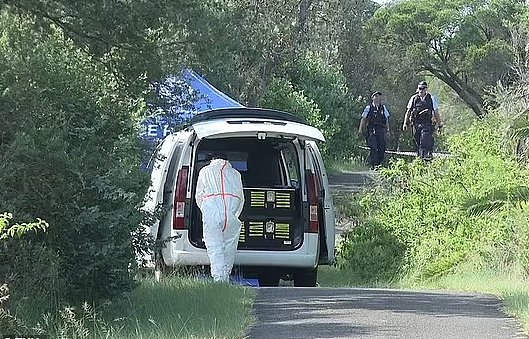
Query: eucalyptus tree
x,y
121,34
464,43
239,45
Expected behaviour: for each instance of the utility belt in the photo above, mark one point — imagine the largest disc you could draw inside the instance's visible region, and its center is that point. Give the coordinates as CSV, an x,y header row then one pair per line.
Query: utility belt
x,y
375,125
375,129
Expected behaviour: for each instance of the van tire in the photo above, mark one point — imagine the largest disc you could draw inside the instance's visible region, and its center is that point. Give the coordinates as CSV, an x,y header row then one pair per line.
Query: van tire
x,y
269,279
306,277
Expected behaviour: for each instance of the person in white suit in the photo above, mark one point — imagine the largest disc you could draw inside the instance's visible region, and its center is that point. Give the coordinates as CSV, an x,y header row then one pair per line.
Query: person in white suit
x,y
220,197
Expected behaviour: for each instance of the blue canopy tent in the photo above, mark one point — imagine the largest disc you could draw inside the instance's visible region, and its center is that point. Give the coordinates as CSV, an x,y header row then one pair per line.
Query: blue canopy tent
x,y
214,98
184,97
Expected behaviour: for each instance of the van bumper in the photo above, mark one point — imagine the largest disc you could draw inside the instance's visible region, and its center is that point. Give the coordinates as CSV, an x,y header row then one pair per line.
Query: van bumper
x,y
181,252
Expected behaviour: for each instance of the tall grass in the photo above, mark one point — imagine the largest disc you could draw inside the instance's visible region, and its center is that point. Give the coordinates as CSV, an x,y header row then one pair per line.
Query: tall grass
x,y
175,307
182,308
353,164
333,276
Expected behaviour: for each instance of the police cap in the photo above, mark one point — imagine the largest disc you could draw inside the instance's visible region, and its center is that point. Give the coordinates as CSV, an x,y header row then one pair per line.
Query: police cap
x,y
375,94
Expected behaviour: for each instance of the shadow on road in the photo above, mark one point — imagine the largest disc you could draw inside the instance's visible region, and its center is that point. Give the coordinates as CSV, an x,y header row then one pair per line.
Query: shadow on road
x,y
373,313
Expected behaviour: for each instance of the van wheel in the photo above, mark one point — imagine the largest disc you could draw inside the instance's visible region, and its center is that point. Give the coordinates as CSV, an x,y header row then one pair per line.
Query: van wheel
x,y
305,277
269,279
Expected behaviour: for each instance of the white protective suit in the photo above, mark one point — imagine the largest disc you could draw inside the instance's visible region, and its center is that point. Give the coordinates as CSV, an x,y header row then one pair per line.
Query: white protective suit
x,y
220,197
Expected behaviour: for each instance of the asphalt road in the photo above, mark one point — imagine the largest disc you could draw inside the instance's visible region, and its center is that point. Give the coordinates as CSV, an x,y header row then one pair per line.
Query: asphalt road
x,y
310,313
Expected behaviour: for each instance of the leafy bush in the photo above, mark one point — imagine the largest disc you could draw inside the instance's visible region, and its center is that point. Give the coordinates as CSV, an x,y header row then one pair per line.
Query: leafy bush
x,y
325,84
31,271
17,230
371,253
69,155
317,92
281,95
23,260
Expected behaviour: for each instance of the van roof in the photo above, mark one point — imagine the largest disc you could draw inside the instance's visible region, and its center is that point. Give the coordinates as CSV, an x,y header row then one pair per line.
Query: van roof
x,y
251,122
245,112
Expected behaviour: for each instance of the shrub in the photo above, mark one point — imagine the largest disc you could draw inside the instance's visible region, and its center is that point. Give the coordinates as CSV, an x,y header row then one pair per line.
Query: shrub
x,y
371,253
470,205
317,92
69,154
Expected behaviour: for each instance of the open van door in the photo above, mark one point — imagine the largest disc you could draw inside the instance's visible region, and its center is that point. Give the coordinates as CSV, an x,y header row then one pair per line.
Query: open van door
x,y
167,163
159,174
326,210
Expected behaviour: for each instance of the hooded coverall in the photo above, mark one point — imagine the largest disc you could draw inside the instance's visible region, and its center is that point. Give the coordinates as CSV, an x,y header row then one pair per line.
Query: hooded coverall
x,y
220,197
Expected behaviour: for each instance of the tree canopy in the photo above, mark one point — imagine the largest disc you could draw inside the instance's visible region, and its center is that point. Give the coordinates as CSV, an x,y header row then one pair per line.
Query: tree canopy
x,y
465,44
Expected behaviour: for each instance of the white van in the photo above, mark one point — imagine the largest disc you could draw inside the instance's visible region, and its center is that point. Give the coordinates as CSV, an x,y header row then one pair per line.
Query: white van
x,y
288,218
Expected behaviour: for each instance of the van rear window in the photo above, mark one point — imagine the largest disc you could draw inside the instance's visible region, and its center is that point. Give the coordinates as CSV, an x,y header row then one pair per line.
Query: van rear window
x,y
239,165
237,159
272,162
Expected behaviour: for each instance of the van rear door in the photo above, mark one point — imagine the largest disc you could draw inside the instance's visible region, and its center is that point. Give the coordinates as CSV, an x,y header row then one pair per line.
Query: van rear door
x,y
260,128
168,164
160,168
246,121
326,217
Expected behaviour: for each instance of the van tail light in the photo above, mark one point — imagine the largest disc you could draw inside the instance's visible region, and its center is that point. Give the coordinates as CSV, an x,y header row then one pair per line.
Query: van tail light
x,y
180,199
313,204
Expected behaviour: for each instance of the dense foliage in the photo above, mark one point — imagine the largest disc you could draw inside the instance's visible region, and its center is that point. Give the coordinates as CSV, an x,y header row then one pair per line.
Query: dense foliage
x,y
316,92
68,155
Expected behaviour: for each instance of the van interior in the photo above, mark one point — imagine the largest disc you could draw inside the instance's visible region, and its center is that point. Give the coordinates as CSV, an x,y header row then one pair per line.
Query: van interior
x,y
273,212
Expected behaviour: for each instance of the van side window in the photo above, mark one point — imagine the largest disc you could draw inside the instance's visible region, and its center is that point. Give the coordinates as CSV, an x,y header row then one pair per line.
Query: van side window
x,y
291,163
318,172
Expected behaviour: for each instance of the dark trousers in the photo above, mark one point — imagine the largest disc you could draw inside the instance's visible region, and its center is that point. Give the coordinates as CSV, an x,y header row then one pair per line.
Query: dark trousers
x,y
376,141
423,135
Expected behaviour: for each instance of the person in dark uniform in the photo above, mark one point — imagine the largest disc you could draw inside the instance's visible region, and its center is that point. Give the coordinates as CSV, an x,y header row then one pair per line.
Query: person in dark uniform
x,y
422,111
374,125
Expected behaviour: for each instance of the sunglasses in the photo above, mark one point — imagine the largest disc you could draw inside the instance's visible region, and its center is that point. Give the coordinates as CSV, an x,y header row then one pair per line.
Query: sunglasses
x,y
422,88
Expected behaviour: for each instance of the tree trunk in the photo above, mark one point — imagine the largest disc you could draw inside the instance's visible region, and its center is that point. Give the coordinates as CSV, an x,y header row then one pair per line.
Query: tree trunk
x,y
303,15
471,97
278,54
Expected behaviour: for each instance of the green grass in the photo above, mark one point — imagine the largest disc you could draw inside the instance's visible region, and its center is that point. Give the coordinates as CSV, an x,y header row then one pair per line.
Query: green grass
x,y
336,167
182,308
175,307
332,276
